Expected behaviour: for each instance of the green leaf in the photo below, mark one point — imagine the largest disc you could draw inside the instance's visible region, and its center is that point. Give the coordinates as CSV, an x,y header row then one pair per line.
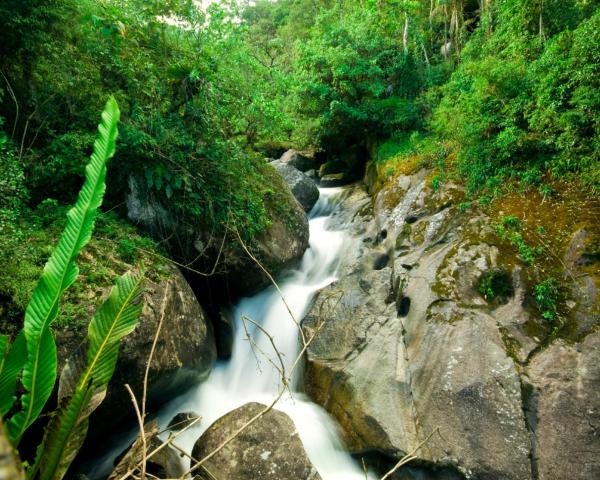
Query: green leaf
x,y
11,366
116,318
83,385
65,434
39,371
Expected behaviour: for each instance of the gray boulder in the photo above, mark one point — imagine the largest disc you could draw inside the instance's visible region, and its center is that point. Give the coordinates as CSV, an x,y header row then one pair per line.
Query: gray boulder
x,y
185,351
299,160
303,188
268,449
565,406
407,345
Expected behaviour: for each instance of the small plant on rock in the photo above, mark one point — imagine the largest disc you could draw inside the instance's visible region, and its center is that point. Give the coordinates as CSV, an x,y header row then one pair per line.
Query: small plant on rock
x,y
495,284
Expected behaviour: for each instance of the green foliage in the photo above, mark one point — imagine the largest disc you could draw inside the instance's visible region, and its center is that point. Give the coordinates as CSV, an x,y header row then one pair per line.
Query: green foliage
x,y
495,284
546,294
32,360
82,391
354,80
510,230
522,102
39,365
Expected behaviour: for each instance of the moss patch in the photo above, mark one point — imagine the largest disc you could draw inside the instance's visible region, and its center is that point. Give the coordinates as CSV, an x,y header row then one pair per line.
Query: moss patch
x,y
27,243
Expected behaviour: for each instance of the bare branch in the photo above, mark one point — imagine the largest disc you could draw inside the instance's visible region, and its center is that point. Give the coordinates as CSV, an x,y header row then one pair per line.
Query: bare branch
x,y
409,456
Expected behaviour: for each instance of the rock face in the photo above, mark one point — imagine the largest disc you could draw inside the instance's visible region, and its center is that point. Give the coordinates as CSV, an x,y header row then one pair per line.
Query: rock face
x,y
298,160
269,449
408,345
566,410
185,351
277,247
303,188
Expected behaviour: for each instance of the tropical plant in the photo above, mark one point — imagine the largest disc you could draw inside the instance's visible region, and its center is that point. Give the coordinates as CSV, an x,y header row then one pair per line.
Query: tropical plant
x,y
31,361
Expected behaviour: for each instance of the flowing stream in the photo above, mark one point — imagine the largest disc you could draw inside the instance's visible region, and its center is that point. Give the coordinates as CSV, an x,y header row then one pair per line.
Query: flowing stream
x,y
249,376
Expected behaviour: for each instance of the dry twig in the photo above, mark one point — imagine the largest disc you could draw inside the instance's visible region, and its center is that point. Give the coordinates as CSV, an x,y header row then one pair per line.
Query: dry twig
x,y
409,456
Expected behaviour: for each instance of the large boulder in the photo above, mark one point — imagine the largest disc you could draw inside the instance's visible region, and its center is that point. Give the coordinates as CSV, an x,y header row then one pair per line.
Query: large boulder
x,y
299,160
278,247
407,346
565,409
275,248
268,449
185,349
303,188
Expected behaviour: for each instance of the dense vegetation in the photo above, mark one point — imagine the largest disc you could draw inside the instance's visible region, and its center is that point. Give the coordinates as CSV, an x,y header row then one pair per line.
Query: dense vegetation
x,y
483,89
510,87
502,95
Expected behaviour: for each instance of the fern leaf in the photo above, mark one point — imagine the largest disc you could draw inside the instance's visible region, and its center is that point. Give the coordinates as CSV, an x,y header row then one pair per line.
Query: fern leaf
x,y
39,371
66,432
12,365
116,318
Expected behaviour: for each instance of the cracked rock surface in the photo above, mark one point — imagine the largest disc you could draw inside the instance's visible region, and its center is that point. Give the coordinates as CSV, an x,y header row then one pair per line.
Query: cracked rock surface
x,y
408,346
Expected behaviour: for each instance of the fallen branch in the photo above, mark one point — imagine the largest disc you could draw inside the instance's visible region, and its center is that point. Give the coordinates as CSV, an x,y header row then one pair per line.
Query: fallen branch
x,y
409,456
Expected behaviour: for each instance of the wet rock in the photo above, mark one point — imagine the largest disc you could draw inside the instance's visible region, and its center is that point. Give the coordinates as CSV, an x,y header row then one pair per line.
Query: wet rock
x,y
566,381
224,334
413,347
268,449
303,188
331,167
185,351
333,180
356,366
298,160
183,420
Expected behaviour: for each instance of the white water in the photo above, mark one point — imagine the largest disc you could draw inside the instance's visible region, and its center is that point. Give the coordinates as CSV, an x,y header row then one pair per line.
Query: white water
x,y
249,376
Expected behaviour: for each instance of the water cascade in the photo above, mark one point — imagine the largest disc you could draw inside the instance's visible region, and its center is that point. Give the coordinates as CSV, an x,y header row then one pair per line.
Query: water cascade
x,y
249,376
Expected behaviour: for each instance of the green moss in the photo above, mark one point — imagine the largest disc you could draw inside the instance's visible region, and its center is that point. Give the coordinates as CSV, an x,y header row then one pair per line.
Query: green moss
x,y
418,235
27,242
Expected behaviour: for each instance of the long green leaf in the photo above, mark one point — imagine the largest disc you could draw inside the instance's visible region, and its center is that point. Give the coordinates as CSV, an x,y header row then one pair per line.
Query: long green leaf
x,y
4,344
66,432
39,372
117,317
13,364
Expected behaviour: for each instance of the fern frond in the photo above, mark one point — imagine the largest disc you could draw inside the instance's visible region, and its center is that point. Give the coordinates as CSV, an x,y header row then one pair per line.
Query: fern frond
x,y
66,432
39,371
116,318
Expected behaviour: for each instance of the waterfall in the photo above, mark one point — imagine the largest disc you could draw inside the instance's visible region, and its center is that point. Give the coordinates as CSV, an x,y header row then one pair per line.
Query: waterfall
x,y
249,376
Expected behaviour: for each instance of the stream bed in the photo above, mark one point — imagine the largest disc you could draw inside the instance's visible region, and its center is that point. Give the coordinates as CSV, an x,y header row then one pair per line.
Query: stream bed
x,y
251,376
